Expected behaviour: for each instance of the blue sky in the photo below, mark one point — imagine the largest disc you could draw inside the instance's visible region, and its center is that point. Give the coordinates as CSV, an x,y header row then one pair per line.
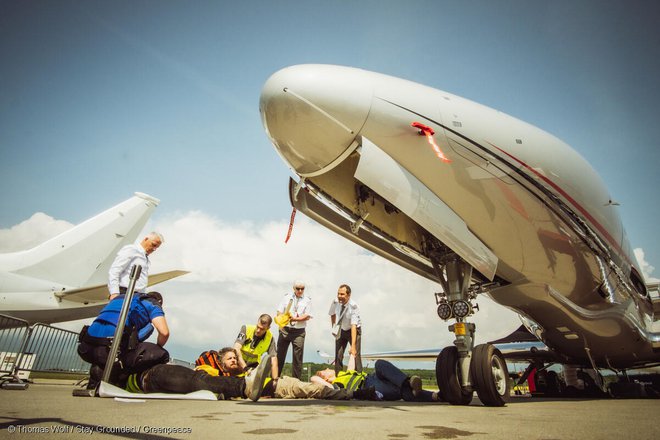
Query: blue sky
x,y
101,99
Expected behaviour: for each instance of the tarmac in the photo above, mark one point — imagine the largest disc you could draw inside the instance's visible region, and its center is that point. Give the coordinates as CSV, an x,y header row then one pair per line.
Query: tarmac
x,y
48,410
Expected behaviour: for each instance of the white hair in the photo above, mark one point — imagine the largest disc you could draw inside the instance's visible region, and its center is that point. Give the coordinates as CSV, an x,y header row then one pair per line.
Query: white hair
x,y
157,235
298,283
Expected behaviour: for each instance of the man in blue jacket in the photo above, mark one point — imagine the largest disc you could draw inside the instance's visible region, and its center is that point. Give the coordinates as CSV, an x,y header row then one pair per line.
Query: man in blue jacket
x,y
135,355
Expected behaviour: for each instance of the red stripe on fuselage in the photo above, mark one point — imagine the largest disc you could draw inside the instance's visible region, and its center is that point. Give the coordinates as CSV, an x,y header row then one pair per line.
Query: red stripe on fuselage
x,y
572,201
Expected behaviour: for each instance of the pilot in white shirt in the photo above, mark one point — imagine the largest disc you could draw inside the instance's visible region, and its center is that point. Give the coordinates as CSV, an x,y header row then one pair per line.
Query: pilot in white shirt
x,y
346,313
299,306
129,256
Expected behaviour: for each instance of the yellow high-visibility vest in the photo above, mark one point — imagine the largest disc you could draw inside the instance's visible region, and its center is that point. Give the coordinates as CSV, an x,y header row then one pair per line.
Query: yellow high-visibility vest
x,y
253,354
350,379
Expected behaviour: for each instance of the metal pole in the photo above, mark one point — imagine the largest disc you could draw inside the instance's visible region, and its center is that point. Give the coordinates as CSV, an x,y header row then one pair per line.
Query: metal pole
x,y
128,298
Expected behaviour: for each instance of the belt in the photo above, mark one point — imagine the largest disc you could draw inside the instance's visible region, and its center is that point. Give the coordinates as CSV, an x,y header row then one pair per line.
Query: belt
x,y
359,330
126,339
89,339
294,328
123,290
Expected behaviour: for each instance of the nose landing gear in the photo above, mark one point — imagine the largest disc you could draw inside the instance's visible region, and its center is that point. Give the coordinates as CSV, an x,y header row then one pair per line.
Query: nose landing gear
x,y
463,368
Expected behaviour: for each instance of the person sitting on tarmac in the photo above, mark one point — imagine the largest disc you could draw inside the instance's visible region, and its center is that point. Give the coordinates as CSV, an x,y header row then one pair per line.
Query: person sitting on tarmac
x,y
135,355
254,340
222,363
389,382
178,379
225,363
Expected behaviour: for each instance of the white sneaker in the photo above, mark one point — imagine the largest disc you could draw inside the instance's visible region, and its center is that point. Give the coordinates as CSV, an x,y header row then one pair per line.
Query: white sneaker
x,y
254,381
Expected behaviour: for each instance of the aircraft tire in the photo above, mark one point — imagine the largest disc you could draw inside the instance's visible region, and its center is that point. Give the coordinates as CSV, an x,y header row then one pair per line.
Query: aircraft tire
x,y
554,385
490,376
446,373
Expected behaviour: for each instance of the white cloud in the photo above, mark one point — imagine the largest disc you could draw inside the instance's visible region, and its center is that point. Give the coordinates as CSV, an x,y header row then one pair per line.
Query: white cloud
x,y
239,271
33,231
647,269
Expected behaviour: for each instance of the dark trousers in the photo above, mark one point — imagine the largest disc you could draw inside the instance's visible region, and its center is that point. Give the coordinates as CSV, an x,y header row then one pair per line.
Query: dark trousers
x,y
393,383
144,356
182,380
295,337
340,347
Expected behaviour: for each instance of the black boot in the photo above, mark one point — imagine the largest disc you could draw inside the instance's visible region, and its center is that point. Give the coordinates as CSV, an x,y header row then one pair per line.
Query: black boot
x,y
95,376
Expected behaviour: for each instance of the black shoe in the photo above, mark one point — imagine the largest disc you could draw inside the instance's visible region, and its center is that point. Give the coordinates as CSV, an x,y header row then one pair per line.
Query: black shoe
x,y
95,376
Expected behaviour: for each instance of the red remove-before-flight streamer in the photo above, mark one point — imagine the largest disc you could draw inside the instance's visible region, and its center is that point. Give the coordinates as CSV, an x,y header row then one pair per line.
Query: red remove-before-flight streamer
x,y
428,132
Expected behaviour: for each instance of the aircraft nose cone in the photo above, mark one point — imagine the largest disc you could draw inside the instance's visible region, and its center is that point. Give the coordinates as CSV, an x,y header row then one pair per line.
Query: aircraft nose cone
x,y
312,113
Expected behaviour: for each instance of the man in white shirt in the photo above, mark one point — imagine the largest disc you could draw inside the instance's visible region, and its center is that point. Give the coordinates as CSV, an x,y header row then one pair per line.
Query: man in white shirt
x,y
129,256
346,313
299,307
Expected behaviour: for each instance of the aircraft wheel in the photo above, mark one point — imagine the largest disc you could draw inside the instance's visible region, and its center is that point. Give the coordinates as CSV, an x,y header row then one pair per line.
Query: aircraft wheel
x,y
449,383
554,385
490,376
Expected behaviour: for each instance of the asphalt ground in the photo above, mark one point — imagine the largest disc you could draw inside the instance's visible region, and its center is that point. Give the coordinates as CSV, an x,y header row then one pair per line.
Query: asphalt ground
x,y
49,411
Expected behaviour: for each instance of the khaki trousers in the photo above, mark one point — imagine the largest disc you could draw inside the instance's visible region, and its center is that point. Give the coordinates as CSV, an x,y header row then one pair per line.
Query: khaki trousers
x,y
292,388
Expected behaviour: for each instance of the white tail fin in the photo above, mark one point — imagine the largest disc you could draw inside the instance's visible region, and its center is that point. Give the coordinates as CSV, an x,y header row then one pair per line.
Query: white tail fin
x,y
82,255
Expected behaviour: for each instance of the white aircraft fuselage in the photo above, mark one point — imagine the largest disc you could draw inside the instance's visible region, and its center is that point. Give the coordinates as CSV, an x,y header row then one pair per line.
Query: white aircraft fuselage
x,y
514,203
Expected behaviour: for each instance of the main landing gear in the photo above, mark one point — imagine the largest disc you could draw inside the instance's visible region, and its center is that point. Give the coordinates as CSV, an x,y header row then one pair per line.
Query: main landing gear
x,y
463,368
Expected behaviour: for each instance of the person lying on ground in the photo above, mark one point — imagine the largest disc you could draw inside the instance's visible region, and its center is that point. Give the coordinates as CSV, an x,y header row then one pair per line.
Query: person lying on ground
x,y
177,379
389,382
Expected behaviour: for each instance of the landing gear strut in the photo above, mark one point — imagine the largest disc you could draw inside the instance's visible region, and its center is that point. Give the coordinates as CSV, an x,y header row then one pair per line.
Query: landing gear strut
x,y
463,368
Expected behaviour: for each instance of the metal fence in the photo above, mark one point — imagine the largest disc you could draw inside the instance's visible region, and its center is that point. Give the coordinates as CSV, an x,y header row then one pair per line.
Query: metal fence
x,y
37,348
13,336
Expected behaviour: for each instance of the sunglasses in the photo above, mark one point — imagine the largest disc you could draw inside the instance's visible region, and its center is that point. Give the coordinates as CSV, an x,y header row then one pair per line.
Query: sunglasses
x,y
300,288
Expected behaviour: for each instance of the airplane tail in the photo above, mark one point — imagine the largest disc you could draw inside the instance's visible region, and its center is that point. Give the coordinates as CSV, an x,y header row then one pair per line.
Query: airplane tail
x,y
83,254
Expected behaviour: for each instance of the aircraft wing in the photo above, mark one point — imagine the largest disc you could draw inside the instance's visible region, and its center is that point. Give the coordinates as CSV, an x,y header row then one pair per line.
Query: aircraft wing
x,y
409,355
100,292
512,352
164,276
519,346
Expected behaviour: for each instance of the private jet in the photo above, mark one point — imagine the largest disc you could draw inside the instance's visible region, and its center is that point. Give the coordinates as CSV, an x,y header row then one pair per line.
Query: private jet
x,y
475,200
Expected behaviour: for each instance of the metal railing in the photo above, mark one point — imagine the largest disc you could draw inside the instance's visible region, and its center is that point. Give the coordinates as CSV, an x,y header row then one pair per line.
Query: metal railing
x,y
55,350
37,348
13,336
